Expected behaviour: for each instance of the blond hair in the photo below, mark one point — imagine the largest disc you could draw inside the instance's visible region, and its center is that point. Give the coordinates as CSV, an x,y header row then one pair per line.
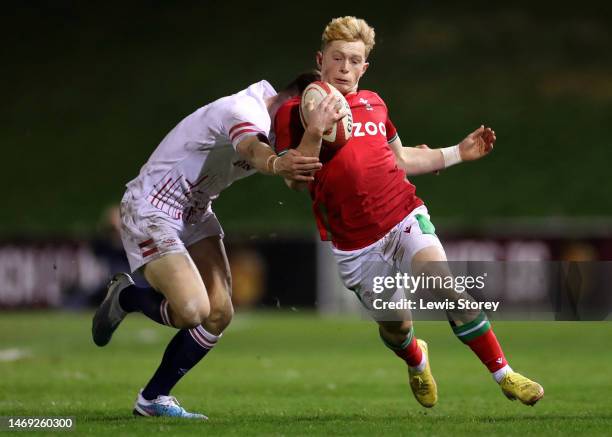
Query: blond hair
x,y
349,29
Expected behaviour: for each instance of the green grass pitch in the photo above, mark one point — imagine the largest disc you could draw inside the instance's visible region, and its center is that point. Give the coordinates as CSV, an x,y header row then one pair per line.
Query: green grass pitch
x,y
296,374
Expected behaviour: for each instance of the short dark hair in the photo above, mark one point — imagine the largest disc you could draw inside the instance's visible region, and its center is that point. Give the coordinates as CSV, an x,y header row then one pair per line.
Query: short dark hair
x,y
299,84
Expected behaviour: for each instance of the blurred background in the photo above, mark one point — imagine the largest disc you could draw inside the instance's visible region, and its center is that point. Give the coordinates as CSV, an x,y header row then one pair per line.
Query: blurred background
x,y
90,89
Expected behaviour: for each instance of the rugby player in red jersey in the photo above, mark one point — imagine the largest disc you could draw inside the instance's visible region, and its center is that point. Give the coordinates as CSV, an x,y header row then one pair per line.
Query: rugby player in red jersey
x,y
378,227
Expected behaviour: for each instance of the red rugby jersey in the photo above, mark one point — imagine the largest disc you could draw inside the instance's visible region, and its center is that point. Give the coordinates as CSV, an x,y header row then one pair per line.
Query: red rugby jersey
x,y
360,193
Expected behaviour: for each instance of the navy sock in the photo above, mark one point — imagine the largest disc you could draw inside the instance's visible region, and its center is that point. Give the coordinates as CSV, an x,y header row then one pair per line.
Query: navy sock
x,y
147,301
183,352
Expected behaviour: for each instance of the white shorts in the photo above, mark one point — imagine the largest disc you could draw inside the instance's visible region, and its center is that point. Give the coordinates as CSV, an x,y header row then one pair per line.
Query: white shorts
x,y
148,233
388,256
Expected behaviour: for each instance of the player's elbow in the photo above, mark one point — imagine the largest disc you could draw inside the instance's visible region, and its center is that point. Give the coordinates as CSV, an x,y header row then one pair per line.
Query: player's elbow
x,y
246,149
403,164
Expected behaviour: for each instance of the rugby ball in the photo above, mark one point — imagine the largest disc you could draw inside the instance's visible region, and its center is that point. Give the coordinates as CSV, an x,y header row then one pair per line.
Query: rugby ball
x,y
340,132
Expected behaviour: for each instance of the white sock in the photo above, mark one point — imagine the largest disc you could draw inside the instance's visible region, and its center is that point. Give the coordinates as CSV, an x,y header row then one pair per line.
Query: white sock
x,y
421,366
498,375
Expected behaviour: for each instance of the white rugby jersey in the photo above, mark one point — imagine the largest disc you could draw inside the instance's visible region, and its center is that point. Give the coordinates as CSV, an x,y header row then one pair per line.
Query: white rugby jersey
x,y
198,159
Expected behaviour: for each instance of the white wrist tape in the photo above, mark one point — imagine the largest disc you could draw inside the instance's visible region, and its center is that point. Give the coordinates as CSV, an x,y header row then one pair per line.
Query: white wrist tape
x,y
451,155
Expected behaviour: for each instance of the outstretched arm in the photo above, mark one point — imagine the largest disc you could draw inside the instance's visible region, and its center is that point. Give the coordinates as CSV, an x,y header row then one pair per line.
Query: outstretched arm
x,y
477,144
416,160
421,159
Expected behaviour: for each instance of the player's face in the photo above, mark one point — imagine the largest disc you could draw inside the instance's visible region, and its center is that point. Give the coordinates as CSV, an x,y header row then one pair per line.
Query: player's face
x,y
342,64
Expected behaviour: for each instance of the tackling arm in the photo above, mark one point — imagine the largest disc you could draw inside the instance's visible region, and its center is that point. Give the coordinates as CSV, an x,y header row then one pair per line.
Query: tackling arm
x,y
292,166
309,146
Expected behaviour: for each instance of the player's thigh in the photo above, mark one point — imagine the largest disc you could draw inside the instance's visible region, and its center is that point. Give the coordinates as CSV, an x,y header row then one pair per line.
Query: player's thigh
x,y
178,279
419,253
366,272
204,241
211,260
418,249
430,260
431,263
153,245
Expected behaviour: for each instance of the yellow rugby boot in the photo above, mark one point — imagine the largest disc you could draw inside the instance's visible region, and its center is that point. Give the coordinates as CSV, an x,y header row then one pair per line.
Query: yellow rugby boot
x,y
516,386
423,384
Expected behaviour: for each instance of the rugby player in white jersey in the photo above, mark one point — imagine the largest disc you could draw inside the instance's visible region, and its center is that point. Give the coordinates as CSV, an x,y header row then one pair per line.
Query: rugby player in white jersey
x,y
172,236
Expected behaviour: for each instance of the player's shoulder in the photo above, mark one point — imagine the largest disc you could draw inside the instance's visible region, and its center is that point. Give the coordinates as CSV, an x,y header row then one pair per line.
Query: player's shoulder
x,y
288,128
240,103
240,110
289,104
288,110
370,96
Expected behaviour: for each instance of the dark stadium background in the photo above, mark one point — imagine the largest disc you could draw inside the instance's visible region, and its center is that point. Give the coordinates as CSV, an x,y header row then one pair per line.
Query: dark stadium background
x,y
89,89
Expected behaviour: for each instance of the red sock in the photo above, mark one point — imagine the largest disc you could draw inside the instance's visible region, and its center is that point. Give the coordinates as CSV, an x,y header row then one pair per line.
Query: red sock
x,y
412,353
487,348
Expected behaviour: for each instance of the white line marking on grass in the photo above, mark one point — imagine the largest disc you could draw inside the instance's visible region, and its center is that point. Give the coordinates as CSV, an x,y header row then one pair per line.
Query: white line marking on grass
x,y
148,336
79,376
13,354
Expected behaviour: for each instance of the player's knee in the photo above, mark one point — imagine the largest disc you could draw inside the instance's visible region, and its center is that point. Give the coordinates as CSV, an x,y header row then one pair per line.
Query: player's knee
x,y
404,328
221,316
436,276
396,332
193,314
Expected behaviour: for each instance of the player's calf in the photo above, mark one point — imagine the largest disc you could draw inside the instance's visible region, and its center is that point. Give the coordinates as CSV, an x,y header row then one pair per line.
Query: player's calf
x,y
184,351
478,335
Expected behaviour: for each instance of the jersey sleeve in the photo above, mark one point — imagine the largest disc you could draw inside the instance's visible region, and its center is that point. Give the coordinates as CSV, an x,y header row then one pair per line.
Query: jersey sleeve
x,y
288,129
391,130
392,134
242,123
